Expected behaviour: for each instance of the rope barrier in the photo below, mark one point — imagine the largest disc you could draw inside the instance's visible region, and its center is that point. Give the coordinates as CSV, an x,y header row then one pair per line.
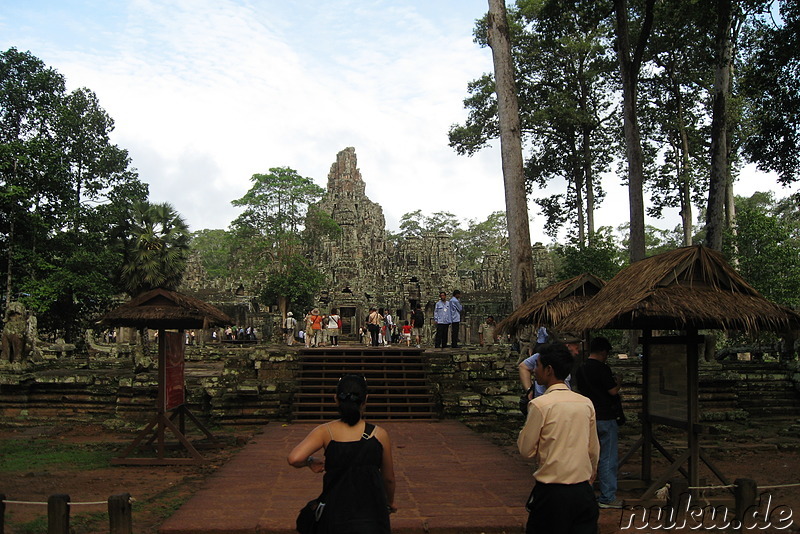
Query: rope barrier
x,y
664,491
90,503
729,486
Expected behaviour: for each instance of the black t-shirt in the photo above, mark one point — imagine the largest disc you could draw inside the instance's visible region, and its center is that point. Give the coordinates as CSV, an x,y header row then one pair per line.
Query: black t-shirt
x,y
594,379
418,320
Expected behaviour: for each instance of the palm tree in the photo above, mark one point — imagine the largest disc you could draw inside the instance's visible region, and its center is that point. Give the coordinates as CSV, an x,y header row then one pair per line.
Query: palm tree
x,y
156,247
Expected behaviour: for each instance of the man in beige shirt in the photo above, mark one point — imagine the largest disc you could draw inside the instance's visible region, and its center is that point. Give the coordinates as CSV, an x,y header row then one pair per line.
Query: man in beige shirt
x,y
560,433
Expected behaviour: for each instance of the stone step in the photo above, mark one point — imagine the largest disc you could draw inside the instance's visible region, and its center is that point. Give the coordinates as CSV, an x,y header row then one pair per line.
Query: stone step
x,y
397,381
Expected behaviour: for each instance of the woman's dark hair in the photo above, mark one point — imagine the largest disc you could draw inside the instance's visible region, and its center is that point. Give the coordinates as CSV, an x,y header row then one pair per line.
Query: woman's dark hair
x,y
352,393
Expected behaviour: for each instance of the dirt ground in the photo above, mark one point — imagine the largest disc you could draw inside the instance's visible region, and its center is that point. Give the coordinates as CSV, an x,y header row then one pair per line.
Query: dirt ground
x,y
157,490
762,453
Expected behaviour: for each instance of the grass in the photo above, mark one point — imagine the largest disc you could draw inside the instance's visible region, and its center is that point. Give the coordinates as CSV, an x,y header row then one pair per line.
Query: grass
x,y
38,454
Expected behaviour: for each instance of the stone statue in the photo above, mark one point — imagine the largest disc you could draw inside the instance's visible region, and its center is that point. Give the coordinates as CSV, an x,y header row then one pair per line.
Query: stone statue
x,y
19,333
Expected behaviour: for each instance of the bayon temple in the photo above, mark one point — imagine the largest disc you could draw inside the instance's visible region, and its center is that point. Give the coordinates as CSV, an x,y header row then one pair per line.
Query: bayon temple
x,y
363,269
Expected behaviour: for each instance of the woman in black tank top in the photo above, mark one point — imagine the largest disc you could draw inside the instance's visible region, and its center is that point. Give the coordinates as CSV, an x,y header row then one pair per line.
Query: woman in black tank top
x,y
358,483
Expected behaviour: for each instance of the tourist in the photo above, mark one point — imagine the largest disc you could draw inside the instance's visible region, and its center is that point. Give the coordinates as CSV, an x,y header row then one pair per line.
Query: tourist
x,y
526,367
541,338
307,329
333,324
389,321
418,324
374,321
560,434
455,317
486,332
596,381
289,324
441,317
358,485
407,333
316,328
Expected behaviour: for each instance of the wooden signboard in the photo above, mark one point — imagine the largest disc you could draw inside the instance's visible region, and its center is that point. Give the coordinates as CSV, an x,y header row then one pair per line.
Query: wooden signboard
x,y
174,390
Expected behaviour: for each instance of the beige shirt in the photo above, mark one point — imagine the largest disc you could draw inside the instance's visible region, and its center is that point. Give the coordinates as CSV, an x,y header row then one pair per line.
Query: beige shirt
x,y
561,433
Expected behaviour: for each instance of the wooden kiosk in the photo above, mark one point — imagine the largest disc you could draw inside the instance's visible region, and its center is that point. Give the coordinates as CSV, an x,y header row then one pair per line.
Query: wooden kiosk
x,y
685,290
171,314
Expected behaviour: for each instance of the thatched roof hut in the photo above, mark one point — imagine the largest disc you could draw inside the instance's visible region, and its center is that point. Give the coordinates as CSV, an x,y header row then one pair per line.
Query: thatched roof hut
x,y
687,288
159,308
552,304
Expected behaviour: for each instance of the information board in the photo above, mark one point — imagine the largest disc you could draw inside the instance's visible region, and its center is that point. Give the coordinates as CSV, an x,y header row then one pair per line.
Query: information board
x,y
174,391
669,390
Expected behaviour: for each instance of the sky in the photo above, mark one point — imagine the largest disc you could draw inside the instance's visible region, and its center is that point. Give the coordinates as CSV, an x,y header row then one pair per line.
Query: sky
x,y
206,93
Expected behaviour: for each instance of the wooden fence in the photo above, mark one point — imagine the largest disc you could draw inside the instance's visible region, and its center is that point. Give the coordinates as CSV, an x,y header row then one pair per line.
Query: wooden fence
x,y
58,507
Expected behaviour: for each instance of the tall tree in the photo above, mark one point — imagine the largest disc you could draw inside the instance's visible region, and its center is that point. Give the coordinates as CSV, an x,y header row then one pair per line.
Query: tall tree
x,y
765,246
63,188
630,59
565,82
770,85
269,234
720,177
676,111
523,283
156,248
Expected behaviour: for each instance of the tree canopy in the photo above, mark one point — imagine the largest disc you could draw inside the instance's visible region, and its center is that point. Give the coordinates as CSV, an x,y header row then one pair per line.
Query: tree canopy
x,y
64,190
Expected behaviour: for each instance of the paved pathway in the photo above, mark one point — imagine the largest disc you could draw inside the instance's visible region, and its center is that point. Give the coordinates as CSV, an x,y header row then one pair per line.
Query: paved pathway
x,y
449,480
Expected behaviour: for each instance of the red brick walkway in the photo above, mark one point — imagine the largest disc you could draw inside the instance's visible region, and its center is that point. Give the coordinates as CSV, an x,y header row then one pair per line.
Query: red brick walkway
x,y
449,480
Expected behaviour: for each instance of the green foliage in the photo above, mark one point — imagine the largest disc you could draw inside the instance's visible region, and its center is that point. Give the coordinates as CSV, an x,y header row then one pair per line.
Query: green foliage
x,y
298,282
276,204
415,224
63,190
214,249
267,238
764,247
565,79
603,259
156,247
771,87
479,239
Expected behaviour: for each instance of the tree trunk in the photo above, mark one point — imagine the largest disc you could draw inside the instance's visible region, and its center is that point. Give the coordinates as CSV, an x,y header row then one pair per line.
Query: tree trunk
x,y
683,164
720,168
10,261
587,169
523,284
629,72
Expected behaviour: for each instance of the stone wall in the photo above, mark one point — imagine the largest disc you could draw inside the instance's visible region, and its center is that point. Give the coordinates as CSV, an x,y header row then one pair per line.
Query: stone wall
x,y
255,384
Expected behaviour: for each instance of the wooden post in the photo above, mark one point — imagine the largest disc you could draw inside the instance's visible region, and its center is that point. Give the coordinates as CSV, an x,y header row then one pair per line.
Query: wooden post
x,y
58,514
120,515
745,492
678,488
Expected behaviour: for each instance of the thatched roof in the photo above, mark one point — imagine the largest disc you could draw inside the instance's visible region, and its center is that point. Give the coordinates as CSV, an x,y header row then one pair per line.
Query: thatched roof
x,y
552,304
690,287
159,308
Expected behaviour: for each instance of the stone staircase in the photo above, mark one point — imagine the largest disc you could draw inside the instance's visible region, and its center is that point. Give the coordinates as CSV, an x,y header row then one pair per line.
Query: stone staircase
x,y
399,388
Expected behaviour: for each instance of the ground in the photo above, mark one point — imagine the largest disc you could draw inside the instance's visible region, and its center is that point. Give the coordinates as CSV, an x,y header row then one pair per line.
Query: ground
x,y
764,453
158,491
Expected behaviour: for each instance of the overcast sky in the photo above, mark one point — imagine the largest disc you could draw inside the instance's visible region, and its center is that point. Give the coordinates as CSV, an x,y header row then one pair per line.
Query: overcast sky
x,y
206,93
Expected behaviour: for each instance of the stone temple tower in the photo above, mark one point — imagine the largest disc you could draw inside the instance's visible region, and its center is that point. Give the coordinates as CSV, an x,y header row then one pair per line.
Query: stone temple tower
x,y
354,263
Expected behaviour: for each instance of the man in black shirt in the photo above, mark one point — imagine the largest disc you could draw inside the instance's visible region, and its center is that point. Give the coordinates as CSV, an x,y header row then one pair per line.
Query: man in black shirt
x,y
595,380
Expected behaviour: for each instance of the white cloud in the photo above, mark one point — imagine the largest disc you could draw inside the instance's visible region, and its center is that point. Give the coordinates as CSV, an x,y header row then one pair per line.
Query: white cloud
x,y
206,93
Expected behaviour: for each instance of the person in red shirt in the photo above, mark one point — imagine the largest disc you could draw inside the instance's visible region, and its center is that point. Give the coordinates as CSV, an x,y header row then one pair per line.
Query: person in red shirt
x,y
407,333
